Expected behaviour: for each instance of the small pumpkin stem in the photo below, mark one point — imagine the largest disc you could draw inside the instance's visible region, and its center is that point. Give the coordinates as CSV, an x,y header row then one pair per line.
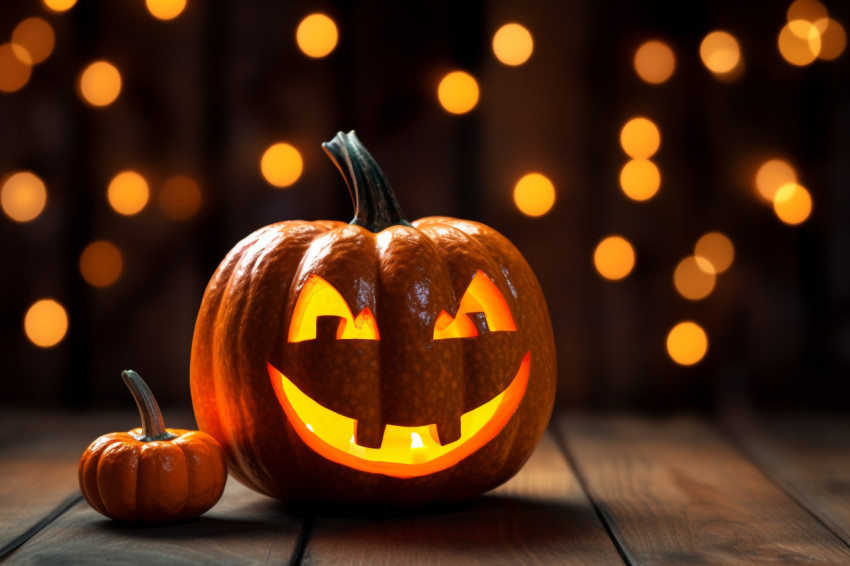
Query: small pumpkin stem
x,y
375,205
153,426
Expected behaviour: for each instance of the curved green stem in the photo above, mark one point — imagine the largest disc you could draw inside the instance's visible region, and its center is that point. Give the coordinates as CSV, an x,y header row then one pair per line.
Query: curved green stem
x,y
153,425
375,205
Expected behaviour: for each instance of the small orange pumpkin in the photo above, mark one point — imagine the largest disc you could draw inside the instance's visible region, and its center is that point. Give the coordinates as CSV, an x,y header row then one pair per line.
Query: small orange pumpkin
x,y
380,361
152,474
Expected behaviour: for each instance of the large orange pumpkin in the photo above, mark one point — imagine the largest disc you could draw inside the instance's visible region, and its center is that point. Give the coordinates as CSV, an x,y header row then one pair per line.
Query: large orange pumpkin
x,y
373,362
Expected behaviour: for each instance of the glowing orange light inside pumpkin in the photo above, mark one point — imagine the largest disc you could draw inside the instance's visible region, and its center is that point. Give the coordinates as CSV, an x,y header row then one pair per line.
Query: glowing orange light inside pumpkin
x,y
482,296
406,451
320,298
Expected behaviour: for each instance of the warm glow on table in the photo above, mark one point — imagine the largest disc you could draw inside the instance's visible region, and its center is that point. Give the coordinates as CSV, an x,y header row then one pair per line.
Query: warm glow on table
x,y
640,179
534,194
36,37
654,62
59,5
101,263
100,83
640,138
458,92
694,278
23,196
687,343
14,70
513,44
614,257
720,52
281,165
180,198
128,193
771,176
717,249
165,9
316,35
46,323
792,203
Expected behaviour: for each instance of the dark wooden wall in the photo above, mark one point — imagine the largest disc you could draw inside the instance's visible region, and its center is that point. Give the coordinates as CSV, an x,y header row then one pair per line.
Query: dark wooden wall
x,y
205,94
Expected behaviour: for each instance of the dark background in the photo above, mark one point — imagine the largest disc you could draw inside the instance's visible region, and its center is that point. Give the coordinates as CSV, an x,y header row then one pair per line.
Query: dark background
x,y
205,94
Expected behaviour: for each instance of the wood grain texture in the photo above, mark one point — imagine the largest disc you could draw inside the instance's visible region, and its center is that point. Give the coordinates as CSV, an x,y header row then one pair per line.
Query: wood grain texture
x,y
675,492
39,453
541,516
243,528
809,457
38,465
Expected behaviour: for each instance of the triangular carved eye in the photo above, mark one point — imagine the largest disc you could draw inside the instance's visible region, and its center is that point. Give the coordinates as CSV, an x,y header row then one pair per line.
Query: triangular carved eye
x,y
320,298
481,296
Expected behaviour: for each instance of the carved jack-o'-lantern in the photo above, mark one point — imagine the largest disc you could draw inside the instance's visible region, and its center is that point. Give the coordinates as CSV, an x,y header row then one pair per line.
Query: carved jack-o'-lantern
x,y
373,362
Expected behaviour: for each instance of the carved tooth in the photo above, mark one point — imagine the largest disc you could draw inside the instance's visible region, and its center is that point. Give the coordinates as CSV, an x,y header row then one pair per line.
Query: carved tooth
x,y
369,434
327,326
446,431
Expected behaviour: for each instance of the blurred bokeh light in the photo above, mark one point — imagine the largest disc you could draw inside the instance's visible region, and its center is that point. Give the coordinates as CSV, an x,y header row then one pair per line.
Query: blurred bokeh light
x,y
772,175
513,44
101,263
694,278
165,9
792,203
46,323
687,343
717,248
59,5
534,194
720,52
654,62
180,198
35,36
100,83
23,196
128,193
640,138
614,258
281,164
316,35
640,179
458,92
14,69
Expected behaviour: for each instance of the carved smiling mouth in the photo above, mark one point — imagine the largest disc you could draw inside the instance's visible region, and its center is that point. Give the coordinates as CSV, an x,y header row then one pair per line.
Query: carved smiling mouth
x,y
406,451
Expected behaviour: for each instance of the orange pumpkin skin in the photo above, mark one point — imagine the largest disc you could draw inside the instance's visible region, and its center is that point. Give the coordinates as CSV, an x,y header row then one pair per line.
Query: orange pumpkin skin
x,y
153,473
155,481
405,275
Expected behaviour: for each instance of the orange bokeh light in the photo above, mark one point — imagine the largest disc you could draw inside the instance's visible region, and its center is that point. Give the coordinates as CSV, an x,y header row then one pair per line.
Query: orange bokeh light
x,y
101,263
654,62
458,92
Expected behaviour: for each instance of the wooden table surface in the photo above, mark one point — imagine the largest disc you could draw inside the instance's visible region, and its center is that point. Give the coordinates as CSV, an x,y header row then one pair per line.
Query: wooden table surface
x,y
598,490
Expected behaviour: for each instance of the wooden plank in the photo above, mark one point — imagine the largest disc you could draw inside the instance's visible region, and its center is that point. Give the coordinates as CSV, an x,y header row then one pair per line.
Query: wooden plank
x,y
39,453
809,457
243,528
38,467
675,492
541,516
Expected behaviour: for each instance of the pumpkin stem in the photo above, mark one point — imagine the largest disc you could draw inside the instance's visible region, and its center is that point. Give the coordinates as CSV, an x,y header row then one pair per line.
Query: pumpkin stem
x,y
375,205
153,426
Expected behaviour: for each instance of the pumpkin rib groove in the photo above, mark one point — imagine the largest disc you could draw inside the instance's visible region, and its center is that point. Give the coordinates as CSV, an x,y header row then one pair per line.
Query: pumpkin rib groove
x,y
206,379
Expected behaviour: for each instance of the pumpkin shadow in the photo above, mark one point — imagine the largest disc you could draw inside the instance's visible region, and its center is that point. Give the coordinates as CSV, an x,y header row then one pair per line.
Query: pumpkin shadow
x,y
503,527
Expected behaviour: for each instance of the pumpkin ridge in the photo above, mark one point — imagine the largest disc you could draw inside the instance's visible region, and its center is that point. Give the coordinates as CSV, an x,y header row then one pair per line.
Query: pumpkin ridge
x,y
206,337
253,255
